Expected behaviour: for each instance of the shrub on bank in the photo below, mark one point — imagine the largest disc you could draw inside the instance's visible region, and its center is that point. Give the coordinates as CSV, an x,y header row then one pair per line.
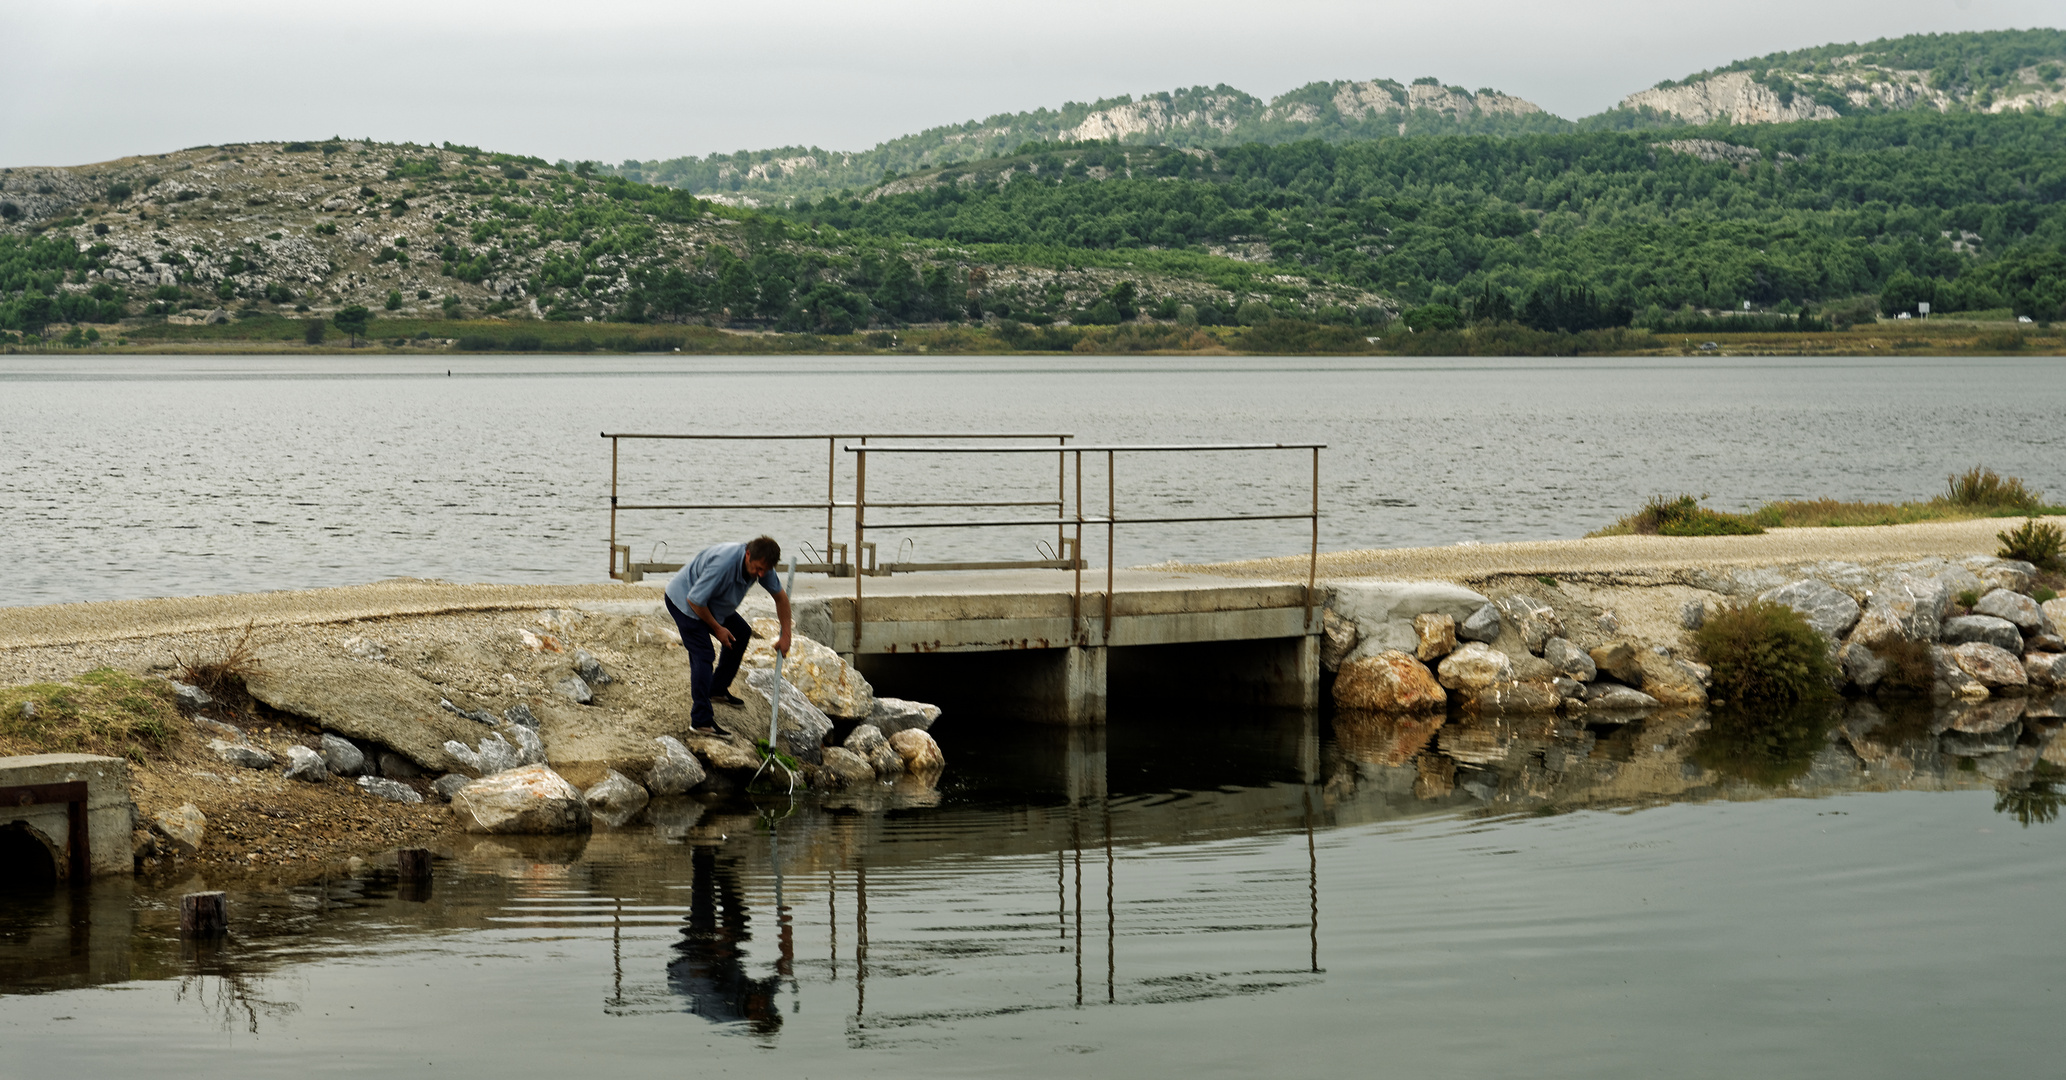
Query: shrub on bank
x,y
2036,543
1764,653
1681,516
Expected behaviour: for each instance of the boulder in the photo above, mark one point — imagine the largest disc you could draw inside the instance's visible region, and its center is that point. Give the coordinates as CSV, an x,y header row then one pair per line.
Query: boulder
x,y
370,703
1391,681
242,755
449,784
1984,717
590,669
1904,608
2014,607
1569,688
208,724
342,757
306,765
2045,669
1437,634
184,828
1830,612
892,715
1606,695
2015,575
1383,611
868,741
674,769
1951,679
804,727
391,790
532,799
829,682
1482,625
615,800
2055,613
920,753
1862,667
1512,697
1995,668
495,753
575,689
2000,633
1475,666
1569,660
1337,638
1534,620
190,697
1669,681
1619,659
847,769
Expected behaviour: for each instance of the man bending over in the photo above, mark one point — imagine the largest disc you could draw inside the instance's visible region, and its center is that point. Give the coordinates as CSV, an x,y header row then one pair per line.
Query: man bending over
x,y
704,600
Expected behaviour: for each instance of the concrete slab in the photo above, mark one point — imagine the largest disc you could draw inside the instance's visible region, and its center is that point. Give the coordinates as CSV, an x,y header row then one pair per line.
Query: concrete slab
x,y
110,816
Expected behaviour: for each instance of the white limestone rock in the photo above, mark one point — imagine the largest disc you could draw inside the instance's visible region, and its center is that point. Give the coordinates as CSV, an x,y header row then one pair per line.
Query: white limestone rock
x,y
531,799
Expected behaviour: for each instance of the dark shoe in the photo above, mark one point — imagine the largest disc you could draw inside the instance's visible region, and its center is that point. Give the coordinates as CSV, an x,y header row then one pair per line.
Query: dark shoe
x,y
729,699
712,730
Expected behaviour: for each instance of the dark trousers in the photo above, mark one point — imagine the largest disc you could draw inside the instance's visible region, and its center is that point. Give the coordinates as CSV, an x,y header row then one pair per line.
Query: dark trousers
x,y
710,673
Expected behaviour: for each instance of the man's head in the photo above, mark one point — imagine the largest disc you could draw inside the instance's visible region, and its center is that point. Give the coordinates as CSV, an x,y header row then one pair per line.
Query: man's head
x,y
762,553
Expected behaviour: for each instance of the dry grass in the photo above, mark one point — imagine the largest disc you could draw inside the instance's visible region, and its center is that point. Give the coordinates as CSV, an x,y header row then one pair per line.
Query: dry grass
x,y
225,672
101,712
1978,492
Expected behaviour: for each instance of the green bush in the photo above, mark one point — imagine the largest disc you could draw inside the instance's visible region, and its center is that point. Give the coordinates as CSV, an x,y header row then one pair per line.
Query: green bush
x,y
394,300
1986,489
1765,653
1682,516
2036,543
478,343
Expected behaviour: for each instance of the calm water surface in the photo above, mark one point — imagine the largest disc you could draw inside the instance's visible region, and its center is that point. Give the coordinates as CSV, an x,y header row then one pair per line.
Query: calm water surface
x,y
1260,896
179,475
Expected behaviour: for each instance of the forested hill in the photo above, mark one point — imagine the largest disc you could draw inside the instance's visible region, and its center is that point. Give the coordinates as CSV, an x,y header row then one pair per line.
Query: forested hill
x,y
1963,207
1340,110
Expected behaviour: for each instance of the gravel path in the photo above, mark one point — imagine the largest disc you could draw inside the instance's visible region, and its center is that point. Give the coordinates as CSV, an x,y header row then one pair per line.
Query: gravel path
x,y
1641,559
115,620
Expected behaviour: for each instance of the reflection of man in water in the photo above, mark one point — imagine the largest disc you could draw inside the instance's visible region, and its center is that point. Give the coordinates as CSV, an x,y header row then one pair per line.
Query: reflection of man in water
x,y
711,972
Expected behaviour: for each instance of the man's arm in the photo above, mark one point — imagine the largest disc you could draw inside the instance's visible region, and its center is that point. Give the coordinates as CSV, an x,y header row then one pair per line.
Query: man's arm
x,y
782,612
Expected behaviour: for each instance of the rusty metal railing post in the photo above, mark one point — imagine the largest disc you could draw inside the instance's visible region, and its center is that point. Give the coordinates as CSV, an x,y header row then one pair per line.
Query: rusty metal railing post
x,y
831,489
1313,553
860,526
1111,537
613,509
1076,600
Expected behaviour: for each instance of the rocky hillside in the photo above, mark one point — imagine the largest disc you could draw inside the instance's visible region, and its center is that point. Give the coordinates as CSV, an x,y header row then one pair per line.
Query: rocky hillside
x,y
1993,72
1199,116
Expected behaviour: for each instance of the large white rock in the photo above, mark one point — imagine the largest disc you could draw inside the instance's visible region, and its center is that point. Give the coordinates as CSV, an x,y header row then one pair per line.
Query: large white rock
x,y
1535,621
1831,612
804,726
674,769
867,740
2000,633
184,827
614,799
2013,606
1475,666
532,799
1904,607
1383,611
829,682
892,715
1996,668
920,753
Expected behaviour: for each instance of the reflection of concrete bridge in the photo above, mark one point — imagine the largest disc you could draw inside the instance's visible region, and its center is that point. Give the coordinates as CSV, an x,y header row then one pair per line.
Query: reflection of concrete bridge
x,y
1039,638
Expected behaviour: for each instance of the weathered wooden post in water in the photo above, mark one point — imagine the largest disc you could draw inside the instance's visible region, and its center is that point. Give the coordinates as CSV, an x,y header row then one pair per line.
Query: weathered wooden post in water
x,y
203,915
412,865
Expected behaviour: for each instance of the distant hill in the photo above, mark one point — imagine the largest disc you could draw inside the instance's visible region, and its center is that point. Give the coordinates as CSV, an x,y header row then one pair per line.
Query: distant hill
x,y
1337,111
1994,72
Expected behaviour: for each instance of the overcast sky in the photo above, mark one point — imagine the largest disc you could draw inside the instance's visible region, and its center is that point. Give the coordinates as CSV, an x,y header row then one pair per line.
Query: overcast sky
x,y
89,80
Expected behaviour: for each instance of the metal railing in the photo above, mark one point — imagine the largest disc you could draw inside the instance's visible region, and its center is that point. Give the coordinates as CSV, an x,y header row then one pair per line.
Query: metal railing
x,y
1073,544
834,559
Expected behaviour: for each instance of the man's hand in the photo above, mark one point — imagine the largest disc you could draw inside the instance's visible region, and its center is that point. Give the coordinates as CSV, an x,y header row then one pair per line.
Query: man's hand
x,y
723,636
782,643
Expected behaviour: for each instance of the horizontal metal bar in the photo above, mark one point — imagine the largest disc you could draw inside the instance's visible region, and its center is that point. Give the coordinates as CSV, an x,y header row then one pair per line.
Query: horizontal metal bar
x,y
997,523
1051,522
856,435
1074,448
913,505
44,794
730,506
1215,517
1006,564
657,567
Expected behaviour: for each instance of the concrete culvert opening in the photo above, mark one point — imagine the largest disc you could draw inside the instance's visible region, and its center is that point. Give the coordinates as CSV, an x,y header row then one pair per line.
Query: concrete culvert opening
x,y
26,861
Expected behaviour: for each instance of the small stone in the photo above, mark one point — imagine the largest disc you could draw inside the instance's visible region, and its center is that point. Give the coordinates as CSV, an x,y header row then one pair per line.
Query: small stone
x,y
1693,614
920,753
342,756
1475,666
1568,688
1995,668
1998,632
478,716
391,790
1952,681
306,765
1619,659
2013,606
1534,620
1607,695
1391,681
242,755
869,742
28,710
674,770
449,784
217,727
615,799
892,715
574,689
1483,625
2045,669
521,714
1569,660
848,769
590,669
184,828
190,697
1437,634
398,767
1609,623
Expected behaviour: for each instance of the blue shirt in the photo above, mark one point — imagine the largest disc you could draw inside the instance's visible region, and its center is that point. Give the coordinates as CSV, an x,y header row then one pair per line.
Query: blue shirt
x,y
716,579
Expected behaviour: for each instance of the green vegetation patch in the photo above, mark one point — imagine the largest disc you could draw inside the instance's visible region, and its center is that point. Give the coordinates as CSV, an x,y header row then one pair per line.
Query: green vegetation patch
x,y
101,712
1765,653
1681,516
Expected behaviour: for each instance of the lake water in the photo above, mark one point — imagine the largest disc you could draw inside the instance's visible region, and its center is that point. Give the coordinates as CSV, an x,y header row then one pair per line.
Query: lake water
x,y
151,476
1197,896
